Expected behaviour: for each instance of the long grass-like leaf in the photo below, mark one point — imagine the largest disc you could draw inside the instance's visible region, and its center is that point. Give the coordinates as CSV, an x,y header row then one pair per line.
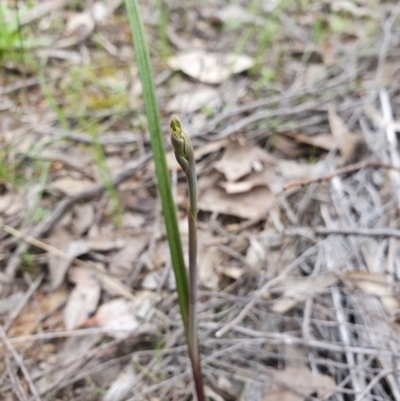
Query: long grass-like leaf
x,y
157,144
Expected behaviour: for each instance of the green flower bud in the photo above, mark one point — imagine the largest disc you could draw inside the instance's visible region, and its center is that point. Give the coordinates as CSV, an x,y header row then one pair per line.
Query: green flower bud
x,y
181,143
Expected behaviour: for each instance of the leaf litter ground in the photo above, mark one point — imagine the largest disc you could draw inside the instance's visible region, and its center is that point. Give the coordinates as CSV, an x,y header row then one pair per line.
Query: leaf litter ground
x,y
293,112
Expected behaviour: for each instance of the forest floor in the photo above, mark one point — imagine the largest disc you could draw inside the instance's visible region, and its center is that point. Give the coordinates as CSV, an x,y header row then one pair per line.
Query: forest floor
x,y
293,109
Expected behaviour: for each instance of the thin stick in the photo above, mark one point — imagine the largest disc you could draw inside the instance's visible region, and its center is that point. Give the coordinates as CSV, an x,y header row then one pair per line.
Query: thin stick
x,y
362,232
34,286
20,363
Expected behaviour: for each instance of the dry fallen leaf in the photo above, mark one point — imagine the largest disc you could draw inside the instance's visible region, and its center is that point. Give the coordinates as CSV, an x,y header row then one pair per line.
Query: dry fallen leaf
x,y
267,178
375,284
294,170
122,385
71,187
133,220
301,380
123,261
83,218
27,321
210,68
83,299
195,100
249,205
239,160
347,142
233,272
234,14
58,267
299,289
117,317
75,157
105,243
256,254
322,141
11,203
209,265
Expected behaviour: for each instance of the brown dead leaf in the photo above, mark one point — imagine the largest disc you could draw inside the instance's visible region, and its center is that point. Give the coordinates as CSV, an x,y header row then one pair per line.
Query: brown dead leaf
x,y
301,380
69,186
233,272
299,289
58,266
74,157
375,284
210,68
239,160
256,254
83,300
105,243
209,266
27,321
117,317
195,100
133,220
294,170
234,14
267,178
123,261
322,141
83,218
122,385
347,142
249,205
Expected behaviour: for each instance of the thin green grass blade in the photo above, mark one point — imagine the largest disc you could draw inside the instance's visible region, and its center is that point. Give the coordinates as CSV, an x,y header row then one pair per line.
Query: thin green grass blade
x,y
157,144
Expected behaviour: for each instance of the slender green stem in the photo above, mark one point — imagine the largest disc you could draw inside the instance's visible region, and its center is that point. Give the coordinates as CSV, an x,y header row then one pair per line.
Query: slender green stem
x,y
185,156
192,224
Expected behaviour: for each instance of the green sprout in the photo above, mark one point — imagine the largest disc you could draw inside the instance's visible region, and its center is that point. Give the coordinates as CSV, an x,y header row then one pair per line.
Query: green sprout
x,y
183,150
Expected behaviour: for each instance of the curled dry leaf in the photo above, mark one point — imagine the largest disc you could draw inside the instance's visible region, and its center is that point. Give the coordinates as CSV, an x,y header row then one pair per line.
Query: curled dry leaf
x,y
104,243
298,290
209,265
74,157
322,141
301,380
195,100
375,284
69,186
256,254
233,272
79,27
11,203
239,160
122,385
249,205
119,316
210,68
83,218
347,142
234,14
83,299
123,261
267,178
294,170
58,267
26,322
